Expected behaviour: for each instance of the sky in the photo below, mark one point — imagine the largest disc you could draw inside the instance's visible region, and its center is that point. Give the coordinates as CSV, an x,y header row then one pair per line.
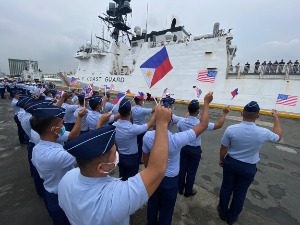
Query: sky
x,y
50,32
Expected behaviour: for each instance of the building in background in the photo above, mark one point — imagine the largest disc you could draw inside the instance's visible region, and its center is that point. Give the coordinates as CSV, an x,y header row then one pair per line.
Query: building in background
x,y
17,66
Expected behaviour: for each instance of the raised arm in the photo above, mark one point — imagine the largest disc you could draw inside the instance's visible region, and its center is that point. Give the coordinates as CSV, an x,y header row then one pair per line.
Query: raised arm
x,y
276,128
155,171
222,118
77,127
202,126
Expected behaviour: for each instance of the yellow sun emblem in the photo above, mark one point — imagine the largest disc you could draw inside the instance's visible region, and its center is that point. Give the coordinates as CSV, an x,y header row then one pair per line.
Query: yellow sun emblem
x,y
148,74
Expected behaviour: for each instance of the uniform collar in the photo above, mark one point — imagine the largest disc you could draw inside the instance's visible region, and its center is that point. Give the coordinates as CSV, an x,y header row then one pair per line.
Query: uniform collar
x,y
95,180
248,123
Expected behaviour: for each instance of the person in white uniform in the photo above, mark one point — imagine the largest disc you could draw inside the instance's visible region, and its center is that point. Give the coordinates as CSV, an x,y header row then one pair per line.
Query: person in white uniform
x,y
138,115
49,158
88,195
239,154
162,202
190,154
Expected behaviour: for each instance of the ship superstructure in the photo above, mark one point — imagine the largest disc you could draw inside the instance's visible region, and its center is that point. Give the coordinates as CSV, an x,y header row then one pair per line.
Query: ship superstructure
x,y
117,61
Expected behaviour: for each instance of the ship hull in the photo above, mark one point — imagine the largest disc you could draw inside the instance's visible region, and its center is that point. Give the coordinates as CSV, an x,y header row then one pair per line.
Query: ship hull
x,y
187,60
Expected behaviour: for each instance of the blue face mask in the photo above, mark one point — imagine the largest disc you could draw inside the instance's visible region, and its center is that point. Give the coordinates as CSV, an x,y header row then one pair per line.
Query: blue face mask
x,y
63,130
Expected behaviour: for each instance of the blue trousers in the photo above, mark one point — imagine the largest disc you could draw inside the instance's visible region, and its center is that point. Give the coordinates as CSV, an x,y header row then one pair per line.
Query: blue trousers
x,y
69,126
2,91
237,177
189,161
161,204
30,147
128,166
23,138
57,214
140,145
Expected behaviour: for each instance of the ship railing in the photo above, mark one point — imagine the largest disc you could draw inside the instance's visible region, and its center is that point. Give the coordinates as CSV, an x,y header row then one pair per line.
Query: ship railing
x,y
265,71
166,43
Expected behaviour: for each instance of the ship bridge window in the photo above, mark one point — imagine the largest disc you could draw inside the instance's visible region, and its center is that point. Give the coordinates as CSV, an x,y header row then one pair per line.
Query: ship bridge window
x,y
213,68
134,44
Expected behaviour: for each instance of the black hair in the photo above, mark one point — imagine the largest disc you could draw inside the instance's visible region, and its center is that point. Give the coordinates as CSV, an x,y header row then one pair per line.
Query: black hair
x,y
94,106
41,124
193,110
124,113
250,115
81,101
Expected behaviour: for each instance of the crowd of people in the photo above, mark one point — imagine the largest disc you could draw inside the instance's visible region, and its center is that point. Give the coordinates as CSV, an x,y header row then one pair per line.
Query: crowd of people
x,y
269,68
74,143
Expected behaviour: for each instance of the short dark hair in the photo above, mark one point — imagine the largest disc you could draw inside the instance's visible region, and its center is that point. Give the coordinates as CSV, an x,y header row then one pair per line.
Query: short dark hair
x,y
41,124
124,113
94,106
84,164
193,110
81,101
250,115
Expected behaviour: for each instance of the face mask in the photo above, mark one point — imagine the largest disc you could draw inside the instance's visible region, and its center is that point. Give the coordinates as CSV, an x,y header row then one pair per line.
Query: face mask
x,y
63,130
115,163
143,103
73,101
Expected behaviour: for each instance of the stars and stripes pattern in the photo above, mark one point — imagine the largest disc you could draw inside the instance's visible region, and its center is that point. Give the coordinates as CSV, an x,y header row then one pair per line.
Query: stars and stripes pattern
x,y
73,81
207,76
164,92
283,99
198,91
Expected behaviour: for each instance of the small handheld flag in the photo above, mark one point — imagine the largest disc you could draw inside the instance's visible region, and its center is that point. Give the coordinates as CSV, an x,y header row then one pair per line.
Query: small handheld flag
x,y
73,81
234,93
198,91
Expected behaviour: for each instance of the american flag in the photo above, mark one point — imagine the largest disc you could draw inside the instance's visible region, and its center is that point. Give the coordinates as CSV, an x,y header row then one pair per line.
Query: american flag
x,y
90,86
73,81
60,93
198,91
207,76
283,99
112,87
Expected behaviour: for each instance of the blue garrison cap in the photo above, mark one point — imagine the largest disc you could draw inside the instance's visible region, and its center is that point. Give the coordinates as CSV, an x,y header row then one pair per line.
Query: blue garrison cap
x,y
81,97
96,93
24,101
194,104
95,100
35,104
92,144
48,111
170,101
252,107
125,105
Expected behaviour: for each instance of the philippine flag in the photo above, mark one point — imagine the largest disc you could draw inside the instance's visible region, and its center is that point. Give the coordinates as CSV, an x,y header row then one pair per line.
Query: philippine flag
x,y
119,98
234,92
156,67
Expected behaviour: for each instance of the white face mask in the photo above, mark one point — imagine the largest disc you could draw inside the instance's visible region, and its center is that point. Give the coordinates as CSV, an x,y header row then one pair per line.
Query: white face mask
x,y
115,163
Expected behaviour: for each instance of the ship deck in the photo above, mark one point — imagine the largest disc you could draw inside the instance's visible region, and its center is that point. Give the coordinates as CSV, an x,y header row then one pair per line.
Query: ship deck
x,y
273,198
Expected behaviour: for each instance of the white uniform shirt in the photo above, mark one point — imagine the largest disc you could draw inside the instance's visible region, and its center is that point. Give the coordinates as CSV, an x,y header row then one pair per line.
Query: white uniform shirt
x,y
25,123
126,136
103,200
245,140
14,102
84,126
190,122
108,107
52,162
138,114
176,142
93,118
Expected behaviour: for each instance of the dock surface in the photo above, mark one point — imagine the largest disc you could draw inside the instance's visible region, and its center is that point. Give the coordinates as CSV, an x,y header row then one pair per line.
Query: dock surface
x,y
273,198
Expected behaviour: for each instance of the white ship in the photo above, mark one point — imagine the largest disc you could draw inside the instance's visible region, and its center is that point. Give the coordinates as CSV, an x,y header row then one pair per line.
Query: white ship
x,y
117,61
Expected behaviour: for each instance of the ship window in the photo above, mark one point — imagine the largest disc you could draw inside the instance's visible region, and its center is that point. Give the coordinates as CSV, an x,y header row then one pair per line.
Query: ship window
x,y
208,52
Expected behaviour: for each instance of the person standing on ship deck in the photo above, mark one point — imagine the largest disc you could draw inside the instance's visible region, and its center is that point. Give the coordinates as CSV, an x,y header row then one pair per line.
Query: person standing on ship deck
x,y
239,154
